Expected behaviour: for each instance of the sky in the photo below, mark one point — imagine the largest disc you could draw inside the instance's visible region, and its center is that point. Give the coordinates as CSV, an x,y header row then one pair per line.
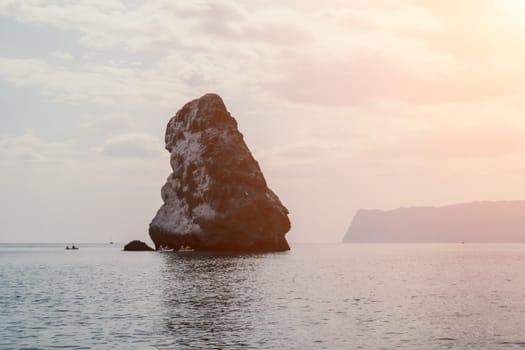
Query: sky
x,y
345,104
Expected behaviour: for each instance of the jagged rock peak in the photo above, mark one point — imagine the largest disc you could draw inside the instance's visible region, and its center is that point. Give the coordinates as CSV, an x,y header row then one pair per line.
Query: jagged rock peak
x,y
217,197
198,115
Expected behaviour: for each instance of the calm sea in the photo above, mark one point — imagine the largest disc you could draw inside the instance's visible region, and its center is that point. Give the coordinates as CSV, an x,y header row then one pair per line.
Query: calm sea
x,y
353,296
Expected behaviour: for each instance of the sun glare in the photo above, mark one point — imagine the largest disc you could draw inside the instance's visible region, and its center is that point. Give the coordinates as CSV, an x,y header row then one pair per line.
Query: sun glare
x,y
513,14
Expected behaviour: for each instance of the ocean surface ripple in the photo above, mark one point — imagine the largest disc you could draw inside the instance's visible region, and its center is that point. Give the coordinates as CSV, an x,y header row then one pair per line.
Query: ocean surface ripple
x,y
353,296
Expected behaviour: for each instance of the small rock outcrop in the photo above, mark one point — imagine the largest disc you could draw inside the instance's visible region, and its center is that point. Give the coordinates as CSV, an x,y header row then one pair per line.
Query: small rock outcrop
x,y
137,246
216,199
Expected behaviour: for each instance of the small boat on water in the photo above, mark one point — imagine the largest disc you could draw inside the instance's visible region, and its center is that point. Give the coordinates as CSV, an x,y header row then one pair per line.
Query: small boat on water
x,y
186,248
72,247
182,249
165,249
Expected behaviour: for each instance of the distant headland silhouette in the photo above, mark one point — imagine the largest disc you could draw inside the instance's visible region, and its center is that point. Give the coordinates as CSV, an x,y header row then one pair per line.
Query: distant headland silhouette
x,y
484,221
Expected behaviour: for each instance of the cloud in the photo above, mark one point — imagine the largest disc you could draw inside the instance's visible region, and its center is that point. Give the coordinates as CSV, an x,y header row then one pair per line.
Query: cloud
x,y
443,142
29,146
61,55
132,146
123,86
419,52
368,76
232,22
484,33
157,24
188,50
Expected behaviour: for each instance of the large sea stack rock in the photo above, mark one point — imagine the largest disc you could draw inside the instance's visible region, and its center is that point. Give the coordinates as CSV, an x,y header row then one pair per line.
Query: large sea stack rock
x,y
216,199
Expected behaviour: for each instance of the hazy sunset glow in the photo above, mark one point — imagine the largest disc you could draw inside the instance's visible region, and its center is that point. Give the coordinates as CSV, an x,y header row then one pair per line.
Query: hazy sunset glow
x,y
262,174
346,105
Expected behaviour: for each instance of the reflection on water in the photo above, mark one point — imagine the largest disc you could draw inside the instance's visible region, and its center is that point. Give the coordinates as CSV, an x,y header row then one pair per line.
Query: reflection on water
x,y
205,297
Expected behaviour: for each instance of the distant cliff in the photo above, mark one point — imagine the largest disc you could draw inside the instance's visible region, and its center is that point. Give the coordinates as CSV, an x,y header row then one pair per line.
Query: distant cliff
x,y
502,221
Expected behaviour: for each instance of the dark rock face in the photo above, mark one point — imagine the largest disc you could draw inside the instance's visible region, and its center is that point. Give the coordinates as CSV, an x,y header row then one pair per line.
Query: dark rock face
x,y
502,221
137,246
216,199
